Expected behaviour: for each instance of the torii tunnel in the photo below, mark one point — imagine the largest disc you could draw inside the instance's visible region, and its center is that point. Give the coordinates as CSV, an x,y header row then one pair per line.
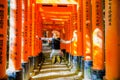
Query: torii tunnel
x,y
93,55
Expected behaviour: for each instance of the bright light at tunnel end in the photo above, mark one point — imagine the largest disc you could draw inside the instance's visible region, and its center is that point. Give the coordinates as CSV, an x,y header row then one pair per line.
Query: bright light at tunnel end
x,y
57,1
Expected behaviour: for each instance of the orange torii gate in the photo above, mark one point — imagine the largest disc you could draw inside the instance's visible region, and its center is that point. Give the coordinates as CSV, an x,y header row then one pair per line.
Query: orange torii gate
x,y
23,29
87,38
14,70
97,40
25,38
30,10
80,35
112,41
3,38
49,11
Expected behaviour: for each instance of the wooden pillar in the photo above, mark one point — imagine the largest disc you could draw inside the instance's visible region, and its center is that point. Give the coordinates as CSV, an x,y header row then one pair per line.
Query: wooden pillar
x,y
74,46
70,31
40,32
80,34
67,46
14,69
87,43
67,29
97,40
87,30
25,40
34,33
25,53
74,28
112,39
80,27
33,24
62,46
3,38
37,30
68,37
30,26
28,30
30,33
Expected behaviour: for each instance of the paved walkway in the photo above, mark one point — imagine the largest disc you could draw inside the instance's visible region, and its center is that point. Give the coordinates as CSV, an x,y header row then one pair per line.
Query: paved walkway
x,y
55,71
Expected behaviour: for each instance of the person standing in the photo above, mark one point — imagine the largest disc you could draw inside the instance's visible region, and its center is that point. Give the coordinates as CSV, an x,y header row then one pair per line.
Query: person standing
x,y
56,53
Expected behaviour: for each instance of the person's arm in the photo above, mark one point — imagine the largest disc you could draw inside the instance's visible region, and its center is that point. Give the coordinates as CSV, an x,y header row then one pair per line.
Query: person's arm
x,y
43,38
66,42
73,39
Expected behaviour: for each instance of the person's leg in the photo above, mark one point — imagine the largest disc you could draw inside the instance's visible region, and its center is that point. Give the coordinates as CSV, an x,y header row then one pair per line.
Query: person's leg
x,y
53,59
51,55
60,56
58,59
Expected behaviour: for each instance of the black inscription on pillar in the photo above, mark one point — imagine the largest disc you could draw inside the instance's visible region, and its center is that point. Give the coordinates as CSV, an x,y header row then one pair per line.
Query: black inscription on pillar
x,y
109,12
1,49
87,14
98,13
1,17
1,27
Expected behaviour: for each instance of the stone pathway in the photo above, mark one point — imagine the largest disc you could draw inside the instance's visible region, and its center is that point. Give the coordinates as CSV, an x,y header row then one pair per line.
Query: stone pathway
x,y
55,71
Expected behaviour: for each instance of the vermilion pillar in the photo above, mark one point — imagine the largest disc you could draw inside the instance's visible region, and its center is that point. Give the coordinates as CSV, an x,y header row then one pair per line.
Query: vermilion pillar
x,y
3,38
36,30
87,43
36,33
70,30
63,37
80,34
30,33
25,36
87,30
28,24
25,53
67,30
40,57
37,25
40,32
97,40
67,46
33,24
112,39
14,69
74,28
74,47
80,27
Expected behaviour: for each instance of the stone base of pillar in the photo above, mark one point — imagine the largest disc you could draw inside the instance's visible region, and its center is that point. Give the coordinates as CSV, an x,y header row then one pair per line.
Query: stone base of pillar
x,y
35,63
67,56
87,70
75,64
14,75
97,74
69,64
41,57
81,65
31,63
25,67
